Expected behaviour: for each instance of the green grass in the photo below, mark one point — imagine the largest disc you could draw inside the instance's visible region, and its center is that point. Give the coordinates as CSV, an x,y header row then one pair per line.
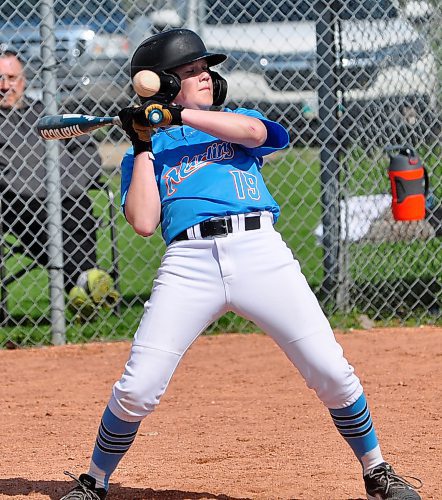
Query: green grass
x,y
294,180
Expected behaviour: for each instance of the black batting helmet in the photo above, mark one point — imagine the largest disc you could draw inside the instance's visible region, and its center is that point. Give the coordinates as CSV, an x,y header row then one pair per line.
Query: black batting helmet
x,y
167,50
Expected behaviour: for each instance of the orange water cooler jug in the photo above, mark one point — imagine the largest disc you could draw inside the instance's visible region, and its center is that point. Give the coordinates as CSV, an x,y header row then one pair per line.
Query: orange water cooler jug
x,y
409,183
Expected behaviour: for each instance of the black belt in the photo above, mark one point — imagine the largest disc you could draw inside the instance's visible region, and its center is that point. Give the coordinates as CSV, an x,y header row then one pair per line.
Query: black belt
x,y
221,226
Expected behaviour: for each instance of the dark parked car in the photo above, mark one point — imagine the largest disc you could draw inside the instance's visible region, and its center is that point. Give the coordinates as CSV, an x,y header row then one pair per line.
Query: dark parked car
x,y
92,54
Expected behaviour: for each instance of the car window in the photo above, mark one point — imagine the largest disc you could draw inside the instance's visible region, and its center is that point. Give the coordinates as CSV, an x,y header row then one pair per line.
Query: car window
x,y
106,15
264,11
97,14
368,9
15,13
268,11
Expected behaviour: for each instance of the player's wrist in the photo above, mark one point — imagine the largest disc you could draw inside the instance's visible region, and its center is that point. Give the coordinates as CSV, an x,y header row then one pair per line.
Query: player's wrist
x,y
176,112
141,146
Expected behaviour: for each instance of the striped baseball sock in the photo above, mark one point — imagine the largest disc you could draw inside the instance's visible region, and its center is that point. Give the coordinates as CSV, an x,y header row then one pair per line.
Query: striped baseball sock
x,y
355,425
114,439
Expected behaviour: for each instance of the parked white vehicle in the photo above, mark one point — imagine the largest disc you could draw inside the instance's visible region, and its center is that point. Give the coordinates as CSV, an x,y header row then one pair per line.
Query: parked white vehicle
x,y
387,70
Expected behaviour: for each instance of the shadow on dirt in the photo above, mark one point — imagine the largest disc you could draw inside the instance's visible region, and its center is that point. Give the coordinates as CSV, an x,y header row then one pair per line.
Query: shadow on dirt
x,y
56,489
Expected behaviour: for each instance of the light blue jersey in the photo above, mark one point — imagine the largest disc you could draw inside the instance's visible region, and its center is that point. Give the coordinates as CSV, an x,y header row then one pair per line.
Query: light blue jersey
x,y
200,176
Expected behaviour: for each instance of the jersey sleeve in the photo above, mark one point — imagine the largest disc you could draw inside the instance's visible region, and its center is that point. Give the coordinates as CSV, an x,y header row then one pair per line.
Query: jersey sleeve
x,y
127,166
277,136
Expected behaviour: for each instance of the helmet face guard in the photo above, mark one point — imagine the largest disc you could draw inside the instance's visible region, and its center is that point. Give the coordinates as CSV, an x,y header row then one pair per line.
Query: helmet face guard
x,y
169,49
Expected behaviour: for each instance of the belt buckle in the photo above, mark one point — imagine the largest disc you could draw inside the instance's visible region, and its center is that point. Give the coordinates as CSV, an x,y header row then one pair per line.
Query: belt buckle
x,y
222,228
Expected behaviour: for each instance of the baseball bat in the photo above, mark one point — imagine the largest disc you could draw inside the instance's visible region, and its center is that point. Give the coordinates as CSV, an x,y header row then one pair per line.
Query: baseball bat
x,y
72,125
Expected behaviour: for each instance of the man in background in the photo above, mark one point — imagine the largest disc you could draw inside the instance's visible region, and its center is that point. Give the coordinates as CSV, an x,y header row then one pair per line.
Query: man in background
x,y
23,174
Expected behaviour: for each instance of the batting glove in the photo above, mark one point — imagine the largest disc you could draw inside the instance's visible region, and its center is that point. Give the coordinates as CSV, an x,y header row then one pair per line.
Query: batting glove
x,y
140,135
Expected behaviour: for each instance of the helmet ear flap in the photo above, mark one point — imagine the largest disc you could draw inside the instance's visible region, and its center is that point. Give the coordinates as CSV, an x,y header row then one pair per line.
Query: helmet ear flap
x,y
219,88
170,85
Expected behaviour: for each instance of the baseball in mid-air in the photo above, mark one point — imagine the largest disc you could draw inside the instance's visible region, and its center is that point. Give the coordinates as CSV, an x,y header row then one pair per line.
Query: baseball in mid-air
x,y
146,83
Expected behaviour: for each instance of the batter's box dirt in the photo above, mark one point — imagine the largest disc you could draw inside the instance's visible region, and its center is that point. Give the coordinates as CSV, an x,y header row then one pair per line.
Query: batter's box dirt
x,y
236,423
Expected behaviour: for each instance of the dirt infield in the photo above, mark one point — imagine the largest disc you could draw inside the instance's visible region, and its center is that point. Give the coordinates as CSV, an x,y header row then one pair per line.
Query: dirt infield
x,y
237,421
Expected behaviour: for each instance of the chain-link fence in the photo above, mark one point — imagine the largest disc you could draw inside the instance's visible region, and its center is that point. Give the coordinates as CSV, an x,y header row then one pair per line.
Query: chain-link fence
x,y
348,79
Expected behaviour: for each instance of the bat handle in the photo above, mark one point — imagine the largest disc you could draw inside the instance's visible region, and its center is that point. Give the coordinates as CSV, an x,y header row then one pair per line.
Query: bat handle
x,y
155,117
116,121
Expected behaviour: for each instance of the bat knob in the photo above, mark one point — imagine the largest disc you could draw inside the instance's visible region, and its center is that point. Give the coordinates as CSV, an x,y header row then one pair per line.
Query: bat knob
x,y
155,117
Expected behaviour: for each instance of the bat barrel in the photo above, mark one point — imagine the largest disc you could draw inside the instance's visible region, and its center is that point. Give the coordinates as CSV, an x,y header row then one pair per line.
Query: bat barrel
x,y
72,125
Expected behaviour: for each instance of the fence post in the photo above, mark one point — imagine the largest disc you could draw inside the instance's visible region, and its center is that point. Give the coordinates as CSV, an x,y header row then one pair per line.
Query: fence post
x,y
327,57
3,291
193,14
53,184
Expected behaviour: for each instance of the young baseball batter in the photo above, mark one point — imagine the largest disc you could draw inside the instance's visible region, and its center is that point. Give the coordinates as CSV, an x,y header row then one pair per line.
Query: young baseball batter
x,y
203,184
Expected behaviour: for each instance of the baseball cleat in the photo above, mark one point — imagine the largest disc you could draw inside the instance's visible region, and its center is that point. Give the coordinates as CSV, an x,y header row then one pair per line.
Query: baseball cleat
x,y
85,490
382,483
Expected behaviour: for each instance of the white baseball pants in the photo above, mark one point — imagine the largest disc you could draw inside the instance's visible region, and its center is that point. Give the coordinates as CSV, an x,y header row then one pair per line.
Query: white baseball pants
x,y
252,273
